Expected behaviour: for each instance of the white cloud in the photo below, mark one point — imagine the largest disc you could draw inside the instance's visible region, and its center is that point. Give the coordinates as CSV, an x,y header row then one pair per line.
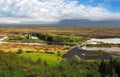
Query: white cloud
x,y
51,11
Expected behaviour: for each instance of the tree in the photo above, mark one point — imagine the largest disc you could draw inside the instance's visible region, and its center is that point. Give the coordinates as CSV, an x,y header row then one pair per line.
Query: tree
x,y
110,68
49,39
28,37
39,61
59,53
75,60
117,66
19,51
102,68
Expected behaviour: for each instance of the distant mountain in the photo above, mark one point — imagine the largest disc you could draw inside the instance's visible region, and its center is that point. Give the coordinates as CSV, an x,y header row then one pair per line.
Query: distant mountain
x,y
109,23
68,22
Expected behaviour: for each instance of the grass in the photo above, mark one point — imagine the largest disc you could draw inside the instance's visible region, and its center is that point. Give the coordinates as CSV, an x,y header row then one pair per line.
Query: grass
x,y
22,39
85,31
34,48
94,53
51,59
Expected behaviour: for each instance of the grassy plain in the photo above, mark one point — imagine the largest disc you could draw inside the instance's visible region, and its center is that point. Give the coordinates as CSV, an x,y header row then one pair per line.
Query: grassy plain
x,y
24,61
49,58
71,32
33,48
84,31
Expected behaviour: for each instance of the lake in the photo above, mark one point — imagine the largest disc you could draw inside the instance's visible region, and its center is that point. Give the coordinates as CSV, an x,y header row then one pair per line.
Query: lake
x,y
102,48
104,40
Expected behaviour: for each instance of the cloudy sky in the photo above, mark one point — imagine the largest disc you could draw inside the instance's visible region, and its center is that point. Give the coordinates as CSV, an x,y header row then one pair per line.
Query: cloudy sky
x,y
18,11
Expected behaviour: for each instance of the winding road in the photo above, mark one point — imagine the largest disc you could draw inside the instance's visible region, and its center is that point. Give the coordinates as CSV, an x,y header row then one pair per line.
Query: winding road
x,y
81,53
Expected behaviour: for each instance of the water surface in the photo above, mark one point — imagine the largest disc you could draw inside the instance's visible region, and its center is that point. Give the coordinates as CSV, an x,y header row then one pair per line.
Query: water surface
x,y
104,40
102,48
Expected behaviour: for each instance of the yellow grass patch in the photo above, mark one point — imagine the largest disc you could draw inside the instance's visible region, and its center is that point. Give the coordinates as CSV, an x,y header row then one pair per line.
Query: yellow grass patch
x,y
37,48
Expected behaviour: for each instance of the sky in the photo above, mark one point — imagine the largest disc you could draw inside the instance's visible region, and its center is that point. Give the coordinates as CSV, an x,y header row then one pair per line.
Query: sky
x,y
19,11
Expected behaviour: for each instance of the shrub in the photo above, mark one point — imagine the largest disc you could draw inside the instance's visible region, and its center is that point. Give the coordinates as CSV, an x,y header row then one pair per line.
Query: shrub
x,y
50,52
19,51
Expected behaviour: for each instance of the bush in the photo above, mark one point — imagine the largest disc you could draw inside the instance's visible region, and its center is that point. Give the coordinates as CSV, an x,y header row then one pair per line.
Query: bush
x,y
19,51
28,51
50,52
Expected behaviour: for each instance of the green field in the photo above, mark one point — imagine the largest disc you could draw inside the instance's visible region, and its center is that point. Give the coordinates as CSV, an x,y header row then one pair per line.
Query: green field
x,y
49,58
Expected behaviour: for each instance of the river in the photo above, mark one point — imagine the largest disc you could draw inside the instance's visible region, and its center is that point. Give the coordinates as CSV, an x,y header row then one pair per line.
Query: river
x,y
2,41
